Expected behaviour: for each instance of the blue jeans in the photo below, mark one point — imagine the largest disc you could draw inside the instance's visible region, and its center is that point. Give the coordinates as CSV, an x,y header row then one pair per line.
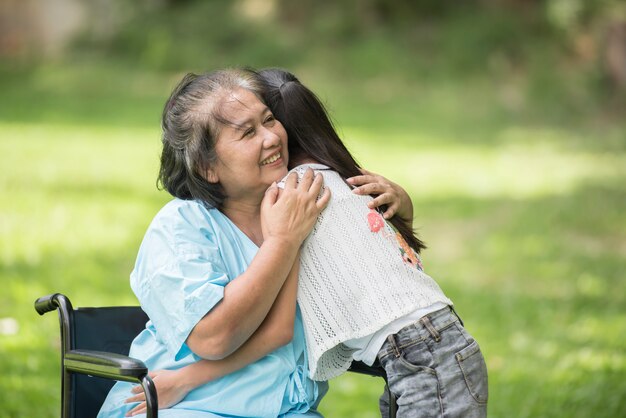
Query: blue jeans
x,y
435,369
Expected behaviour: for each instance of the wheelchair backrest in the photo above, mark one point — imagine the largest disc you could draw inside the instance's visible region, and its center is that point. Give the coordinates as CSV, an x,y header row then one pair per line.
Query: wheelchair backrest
x,y
109,329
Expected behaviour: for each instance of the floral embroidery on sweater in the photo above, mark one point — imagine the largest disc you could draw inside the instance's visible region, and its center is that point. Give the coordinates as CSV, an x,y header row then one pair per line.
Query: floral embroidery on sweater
x,y
377,222
408,254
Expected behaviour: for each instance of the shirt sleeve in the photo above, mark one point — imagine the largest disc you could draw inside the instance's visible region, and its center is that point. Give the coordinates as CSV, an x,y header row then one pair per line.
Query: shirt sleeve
x,y
179,277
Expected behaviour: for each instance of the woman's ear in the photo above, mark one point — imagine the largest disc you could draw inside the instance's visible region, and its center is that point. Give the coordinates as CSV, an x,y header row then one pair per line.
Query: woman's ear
x,y
211,176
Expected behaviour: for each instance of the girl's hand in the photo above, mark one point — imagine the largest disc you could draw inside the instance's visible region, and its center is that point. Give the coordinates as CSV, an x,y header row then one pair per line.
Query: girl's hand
x,y
291,214
387,193
170,391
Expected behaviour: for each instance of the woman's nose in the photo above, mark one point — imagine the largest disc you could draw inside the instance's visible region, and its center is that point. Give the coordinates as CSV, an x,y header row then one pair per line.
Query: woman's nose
x,y
270,138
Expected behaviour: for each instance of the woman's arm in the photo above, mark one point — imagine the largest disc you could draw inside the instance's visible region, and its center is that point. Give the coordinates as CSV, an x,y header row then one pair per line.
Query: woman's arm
x,y
286,220
389,193
275,331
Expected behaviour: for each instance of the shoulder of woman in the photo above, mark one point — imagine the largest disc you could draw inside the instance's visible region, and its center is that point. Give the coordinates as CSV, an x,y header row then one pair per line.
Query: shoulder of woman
x,y
177,206
183,219
180,230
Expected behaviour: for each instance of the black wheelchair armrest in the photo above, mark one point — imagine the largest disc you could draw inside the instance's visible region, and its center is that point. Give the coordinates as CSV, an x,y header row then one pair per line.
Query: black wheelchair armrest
x,y
116,367
107,365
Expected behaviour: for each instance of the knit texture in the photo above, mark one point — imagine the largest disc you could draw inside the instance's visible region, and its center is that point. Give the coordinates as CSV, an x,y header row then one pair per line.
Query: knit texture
x,y
356,276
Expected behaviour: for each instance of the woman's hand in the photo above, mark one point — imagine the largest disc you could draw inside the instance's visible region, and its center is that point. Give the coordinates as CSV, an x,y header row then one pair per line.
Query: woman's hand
x,y
291,213
170,391
387,193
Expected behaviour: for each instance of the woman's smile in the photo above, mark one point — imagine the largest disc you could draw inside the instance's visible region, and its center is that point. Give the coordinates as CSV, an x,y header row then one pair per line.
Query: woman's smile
x,y
271,159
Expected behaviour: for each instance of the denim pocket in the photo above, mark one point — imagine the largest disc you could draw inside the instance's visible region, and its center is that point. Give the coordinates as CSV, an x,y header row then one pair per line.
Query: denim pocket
x,y
416,357
474,369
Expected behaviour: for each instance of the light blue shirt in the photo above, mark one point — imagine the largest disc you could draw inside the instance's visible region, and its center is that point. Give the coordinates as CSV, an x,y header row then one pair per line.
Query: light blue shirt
x,y
188,255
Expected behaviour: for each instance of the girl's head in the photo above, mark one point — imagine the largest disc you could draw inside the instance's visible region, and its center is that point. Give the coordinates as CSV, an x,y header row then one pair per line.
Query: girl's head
x,y
312,135
310,131
225,105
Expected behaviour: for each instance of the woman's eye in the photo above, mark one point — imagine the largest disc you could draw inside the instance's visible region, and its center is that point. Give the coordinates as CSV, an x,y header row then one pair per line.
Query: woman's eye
x,y
269,119
248,132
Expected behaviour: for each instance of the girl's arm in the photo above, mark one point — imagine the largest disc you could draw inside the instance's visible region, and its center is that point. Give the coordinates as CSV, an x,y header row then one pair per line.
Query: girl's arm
x,y
389,193
275,331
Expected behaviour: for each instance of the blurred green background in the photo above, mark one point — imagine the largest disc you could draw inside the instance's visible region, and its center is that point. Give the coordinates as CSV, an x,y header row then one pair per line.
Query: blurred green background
x,y
505,120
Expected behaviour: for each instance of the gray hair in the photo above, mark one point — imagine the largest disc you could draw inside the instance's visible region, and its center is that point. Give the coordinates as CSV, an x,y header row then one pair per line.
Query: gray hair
x,y
191,122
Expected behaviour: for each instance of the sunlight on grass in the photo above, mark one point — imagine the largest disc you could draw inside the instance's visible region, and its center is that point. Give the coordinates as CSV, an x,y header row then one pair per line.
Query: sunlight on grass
x,y
586,359
518,168
76,183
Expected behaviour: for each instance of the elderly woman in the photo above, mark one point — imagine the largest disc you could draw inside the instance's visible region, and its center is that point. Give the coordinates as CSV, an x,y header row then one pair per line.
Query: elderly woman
x,y
217,269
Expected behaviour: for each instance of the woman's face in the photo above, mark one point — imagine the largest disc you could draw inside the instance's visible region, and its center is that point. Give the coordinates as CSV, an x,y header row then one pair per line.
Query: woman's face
x,y
251,150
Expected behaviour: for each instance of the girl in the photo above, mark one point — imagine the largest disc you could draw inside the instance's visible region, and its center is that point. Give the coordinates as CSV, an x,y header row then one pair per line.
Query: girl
x,y
362,291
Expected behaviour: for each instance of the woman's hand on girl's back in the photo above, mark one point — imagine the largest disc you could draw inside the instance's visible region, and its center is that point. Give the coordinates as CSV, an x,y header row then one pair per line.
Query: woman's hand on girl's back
x,y
291,213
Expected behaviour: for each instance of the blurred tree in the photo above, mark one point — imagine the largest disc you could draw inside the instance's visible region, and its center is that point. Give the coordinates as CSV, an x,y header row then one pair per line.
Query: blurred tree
x,y
615,54
30,27
597,30
363,15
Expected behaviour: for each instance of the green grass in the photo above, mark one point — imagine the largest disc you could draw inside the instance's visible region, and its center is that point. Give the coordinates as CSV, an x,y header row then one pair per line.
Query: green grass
x,y
524,215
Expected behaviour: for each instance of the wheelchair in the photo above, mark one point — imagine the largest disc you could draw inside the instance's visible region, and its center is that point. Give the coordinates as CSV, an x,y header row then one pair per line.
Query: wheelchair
x,y
94,354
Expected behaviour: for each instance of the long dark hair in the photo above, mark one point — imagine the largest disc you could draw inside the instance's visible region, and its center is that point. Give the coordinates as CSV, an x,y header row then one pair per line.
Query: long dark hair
x,y
312,134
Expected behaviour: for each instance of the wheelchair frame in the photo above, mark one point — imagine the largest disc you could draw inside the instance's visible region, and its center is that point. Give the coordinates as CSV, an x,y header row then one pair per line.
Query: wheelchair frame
x,y
113,366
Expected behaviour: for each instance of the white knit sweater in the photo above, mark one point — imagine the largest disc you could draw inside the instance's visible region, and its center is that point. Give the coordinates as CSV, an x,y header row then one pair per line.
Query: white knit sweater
x,y
356,276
